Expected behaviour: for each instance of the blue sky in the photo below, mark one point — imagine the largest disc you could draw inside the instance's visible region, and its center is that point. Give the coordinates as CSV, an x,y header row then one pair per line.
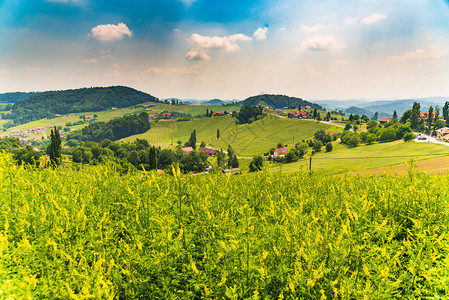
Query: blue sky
x,y
334,49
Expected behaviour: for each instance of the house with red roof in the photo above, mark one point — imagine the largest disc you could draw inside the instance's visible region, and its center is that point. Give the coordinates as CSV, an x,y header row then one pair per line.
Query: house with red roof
x,y
385,120
280,152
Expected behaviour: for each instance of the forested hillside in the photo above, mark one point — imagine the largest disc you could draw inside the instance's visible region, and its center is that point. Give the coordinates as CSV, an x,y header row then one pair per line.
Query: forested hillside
x,y
15,97
113,130
47,104
279,101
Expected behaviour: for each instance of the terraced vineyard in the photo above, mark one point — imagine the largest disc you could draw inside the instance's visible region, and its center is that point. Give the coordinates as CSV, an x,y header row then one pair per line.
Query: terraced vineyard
x,y
246,140
95,234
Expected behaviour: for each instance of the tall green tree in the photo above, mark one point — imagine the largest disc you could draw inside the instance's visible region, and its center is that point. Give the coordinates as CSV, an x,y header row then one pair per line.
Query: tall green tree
x,y
54,149
232,161
218,134
395,116
192,139
430,116
256,164
414,116
376,116
446,112
153,158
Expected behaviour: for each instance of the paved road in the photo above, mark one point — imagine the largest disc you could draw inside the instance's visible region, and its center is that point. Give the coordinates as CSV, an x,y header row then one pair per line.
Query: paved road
x,y
430,139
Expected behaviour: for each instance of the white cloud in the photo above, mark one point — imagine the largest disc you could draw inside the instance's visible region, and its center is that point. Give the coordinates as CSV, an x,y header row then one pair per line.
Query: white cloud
x,y
90,61
188,2
261,34
315,27
351,21
110,32
116,73
168,72
197,55
202,45
32,70
417,55
322,43
374,18
4,72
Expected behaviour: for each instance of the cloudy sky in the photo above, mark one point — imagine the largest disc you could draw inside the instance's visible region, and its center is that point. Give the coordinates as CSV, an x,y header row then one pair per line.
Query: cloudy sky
x,y
203,49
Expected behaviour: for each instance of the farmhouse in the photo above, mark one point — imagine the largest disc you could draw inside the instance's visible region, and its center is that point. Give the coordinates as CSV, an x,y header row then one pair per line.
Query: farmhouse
x,y
443,133
15,132
167,115
425,114
208,150
280,152
150,117
187,149
385,120
217,113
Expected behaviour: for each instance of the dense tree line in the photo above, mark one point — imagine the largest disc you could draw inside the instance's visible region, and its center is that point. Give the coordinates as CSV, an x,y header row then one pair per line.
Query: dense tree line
x,y
279,101
15,97
391,131
8,144
114,129
46,104
138,155
249,114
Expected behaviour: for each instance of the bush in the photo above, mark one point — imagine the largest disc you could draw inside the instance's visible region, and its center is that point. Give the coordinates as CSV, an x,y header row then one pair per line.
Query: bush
x,y
317,145
328,147
256,164
409,136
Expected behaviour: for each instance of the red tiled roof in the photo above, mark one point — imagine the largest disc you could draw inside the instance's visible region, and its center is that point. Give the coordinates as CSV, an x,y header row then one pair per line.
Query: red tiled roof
x,y
281,151
208,150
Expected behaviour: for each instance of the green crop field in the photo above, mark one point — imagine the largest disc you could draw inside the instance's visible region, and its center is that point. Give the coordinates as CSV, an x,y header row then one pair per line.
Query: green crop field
x,y
246,140
368,156
96,234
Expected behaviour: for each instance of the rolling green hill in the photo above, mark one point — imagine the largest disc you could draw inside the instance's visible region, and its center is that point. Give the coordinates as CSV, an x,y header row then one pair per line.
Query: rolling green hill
x,y
47,104
367,157
15,97
279,101
246,140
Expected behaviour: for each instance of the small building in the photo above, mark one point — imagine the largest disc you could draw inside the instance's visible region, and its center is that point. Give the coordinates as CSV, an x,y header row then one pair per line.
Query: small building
x,y
280,152
150,117
15,132
113,108
231,171
167,115
443,133
425,114
385,120
208,150
187,149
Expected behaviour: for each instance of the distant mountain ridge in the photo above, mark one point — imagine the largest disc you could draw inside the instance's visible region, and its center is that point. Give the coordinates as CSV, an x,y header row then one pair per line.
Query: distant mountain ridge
x,y
278,101
47,104
16,97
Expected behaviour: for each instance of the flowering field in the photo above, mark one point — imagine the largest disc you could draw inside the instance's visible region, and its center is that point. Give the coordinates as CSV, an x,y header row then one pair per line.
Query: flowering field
x,y
94,234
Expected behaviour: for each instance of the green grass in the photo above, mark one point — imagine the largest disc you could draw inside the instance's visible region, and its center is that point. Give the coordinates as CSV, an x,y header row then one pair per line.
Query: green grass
x,y
378,155
246,140
97,234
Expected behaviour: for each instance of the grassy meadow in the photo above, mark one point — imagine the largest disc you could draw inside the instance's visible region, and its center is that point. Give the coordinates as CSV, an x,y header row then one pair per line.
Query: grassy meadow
x,y
366,157
95,234
246,140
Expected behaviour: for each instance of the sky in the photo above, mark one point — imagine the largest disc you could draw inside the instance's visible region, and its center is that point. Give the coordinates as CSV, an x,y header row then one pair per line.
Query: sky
x,y
205,49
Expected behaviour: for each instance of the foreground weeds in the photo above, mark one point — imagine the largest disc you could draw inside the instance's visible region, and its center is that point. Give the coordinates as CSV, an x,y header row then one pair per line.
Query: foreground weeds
x,y
94,234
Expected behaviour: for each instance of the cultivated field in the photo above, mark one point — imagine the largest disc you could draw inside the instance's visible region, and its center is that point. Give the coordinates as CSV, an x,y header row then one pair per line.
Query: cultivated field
x,y
367,157
246,140
95,234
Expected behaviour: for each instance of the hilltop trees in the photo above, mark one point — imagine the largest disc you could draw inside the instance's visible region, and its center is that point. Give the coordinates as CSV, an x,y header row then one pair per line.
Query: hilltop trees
x,y
249,114
256,164
113,130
